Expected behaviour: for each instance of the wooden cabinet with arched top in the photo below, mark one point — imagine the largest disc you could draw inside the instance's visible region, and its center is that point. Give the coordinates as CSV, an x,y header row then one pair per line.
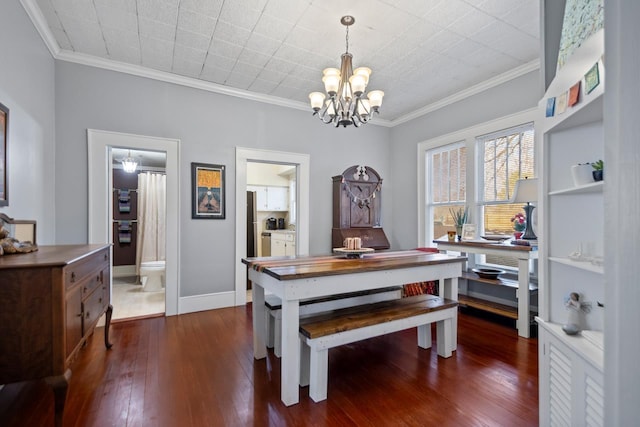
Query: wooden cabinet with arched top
x,y
357,195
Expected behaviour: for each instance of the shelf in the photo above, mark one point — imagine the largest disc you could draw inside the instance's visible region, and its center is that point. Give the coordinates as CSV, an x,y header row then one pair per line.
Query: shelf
x,y
493,307
596,187
498,282
581,265
590,107
588,344
587,111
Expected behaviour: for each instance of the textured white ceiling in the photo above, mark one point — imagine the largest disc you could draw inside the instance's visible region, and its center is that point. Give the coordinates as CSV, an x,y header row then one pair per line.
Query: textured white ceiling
x,y
420,51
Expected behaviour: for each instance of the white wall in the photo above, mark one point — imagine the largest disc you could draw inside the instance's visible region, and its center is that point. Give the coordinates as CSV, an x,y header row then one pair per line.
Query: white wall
x,y
508,98
27,89
209,127
622,200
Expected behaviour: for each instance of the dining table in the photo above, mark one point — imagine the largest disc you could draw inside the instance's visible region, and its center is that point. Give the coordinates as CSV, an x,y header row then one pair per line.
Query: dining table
x,y
296,278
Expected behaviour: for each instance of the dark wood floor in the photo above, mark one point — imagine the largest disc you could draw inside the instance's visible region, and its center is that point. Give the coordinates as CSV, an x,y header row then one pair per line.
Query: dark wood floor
x,y
198,370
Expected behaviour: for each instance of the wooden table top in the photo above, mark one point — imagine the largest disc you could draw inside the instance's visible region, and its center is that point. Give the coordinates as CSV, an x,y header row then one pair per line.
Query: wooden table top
x,y
290,268
488,244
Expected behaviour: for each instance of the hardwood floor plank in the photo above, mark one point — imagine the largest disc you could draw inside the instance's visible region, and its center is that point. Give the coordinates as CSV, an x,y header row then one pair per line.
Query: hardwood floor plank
x,y
198,370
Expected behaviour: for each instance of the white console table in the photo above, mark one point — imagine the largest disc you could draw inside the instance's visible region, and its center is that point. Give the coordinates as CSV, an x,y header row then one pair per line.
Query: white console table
x,y
523,254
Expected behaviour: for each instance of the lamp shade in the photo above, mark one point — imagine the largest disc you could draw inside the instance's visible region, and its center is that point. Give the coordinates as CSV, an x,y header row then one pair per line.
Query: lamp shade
x,y
375,98
317,100
526,191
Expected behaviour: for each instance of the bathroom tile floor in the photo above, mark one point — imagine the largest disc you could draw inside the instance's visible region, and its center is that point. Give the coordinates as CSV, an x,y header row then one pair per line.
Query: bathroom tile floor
x,y
129,300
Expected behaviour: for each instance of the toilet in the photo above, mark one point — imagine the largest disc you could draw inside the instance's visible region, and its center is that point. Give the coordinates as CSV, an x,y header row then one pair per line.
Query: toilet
x,y
152,276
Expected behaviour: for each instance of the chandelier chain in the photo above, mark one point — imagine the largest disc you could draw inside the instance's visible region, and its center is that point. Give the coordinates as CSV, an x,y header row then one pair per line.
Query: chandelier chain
x,y
347,40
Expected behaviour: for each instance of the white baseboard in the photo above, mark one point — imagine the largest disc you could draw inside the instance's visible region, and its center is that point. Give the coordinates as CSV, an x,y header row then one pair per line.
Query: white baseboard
x,y
124,270
196,303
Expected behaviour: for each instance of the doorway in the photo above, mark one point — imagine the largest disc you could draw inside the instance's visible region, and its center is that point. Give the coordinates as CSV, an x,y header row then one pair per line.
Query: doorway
x,y
139,233
100,148
301,163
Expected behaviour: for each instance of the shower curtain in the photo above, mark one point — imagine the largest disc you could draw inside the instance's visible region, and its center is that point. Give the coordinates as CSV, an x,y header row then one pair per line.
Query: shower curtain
x,y
151,218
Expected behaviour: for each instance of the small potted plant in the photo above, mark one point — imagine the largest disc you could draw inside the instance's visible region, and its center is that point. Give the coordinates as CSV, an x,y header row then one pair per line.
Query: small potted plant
x,y
519,224
459,216
597,170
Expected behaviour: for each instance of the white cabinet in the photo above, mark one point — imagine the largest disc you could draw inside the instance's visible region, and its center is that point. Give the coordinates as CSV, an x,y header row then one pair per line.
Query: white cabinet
x,y
574,385
283,243
571,250
270,198
277,199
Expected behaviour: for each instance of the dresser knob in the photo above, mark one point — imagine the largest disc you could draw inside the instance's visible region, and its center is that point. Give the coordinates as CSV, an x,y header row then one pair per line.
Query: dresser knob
x,y
106,257
73,277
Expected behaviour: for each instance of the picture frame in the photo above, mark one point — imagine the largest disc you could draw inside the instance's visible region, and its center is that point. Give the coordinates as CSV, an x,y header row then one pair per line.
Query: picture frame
x,y
551,107
4,132
591,79
468,232
208,191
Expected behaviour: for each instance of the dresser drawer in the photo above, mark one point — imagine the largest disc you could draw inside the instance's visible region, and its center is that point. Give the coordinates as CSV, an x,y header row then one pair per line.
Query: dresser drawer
x,y
87,267
89,283
93,307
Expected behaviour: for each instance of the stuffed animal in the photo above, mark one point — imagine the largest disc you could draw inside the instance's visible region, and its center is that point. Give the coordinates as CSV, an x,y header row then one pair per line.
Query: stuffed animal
x,y
9,245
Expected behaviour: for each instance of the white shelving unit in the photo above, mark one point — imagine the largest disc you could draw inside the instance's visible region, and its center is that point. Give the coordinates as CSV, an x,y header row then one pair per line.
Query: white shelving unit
x,y
572,220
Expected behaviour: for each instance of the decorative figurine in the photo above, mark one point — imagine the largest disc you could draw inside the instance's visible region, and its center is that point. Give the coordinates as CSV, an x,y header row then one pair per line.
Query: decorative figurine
x,y
573,305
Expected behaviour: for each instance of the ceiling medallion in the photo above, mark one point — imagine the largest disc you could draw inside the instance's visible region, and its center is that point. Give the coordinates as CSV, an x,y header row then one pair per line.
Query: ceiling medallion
x,y
347,103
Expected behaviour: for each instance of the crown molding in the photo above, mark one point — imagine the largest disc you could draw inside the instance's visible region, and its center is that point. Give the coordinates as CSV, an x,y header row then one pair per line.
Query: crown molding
x,y
473,90
36,16
40,23
140,71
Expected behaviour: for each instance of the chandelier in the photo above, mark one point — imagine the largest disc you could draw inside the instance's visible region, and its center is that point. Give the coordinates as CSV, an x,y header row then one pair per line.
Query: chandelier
x,y
347,103
129,164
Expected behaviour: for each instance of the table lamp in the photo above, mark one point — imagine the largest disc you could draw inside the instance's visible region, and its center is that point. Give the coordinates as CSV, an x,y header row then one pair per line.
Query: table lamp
x,y
526,191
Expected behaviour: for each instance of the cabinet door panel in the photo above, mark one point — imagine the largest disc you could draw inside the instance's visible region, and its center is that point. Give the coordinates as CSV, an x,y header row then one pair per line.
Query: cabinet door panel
x,y
278,198
277,247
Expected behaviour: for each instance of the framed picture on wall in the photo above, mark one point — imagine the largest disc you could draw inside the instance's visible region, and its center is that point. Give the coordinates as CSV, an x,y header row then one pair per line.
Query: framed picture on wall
x,y
207,191
4,131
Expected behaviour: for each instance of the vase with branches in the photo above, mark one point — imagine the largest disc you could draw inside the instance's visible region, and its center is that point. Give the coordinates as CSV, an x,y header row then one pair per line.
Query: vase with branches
x,y
460,216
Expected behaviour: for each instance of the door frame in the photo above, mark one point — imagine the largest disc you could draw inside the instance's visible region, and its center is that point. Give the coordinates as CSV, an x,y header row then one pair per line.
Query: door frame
x,y
302,163
100,177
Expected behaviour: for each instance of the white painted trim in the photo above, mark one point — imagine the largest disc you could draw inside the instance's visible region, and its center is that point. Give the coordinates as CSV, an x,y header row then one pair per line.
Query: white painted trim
x,y
79,58
123,271
302,161
39,21
469,136
192,304
473,90
99,144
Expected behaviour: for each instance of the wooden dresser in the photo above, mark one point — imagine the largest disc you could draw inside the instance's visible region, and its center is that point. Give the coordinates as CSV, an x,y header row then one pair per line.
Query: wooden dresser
x,y
50,302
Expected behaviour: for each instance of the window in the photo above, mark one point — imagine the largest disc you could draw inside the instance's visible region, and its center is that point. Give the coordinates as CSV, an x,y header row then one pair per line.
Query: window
x,y
447,185
503,158
476,167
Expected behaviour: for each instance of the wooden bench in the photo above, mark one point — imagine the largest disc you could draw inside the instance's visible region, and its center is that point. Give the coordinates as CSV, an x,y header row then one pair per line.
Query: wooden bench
x,y
320,333
273,306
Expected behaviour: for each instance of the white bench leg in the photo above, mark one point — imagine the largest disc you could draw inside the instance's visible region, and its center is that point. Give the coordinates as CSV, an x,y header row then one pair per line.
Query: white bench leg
x,y
305,362
268,318
277,335
444,337
424,336
319,370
